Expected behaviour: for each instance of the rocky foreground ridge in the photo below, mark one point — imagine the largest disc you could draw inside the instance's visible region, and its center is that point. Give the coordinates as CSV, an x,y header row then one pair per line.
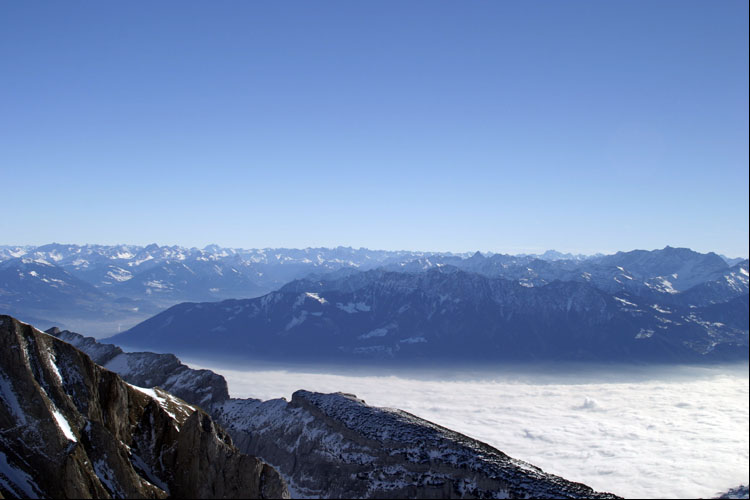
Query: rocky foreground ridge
x,y
336,446
72,429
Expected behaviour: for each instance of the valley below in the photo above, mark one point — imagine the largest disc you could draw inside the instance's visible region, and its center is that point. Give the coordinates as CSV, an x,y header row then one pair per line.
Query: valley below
x,y
637,431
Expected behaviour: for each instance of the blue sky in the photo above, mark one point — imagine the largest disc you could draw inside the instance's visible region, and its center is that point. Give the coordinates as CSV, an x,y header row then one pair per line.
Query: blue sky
x,y
493,126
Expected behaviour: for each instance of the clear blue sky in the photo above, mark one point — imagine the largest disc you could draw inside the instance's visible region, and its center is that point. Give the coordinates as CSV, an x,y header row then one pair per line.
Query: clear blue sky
x,y
503,126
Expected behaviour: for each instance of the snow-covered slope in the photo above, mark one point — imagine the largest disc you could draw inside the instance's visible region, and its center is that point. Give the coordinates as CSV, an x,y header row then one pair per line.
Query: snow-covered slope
x,y
721,287
106,289
336,446
147,369
170,274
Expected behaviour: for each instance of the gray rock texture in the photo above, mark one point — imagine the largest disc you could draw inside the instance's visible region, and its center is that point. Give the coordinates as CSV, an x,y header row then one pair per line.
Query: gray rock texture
x,y
71,429
336,446
148,369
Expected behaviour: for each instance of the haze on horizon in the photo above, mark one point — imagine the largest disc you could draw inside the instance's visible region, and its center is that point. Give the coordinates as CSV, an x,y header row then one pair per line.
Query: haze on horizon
x,y
518,251
508,127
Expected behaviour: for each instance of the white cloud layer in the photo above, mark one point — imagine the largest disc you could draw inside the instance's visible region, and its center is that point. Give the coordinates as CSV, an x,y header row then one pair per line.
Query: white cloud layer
x,y
678,432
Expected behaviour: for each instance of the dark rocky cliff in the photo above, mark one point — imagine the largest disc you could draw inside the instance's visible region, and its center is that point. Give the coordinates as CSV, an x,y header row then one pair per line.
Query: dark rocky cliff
x,y
71,429
148,369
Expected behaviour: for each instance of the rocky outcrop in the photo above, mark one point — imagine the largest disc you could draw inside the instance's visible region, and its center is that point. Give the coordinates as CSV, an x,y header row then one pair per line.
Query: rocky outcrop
x,y
147,369
204,468
69,428
741,491
336,446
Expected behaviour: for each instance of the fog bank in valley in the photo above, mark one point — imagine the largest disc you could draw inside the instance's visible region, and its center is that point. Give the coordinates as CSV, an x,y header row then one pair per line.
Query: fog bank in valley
x,y
637,432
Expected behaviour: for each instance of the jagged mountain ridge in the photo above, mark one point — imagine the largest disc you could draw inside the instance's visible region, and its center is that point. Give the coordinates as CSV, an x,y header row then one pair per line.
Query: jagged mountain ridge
x,y
660,275
447,314
70,429
106,289
181,273
336,446
119,286
146,369
720,287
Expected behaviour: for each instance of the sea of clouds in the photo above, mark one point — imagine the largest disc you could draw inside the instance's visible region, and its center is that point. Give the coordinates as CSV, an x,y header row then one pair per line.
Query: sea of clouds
x,y
669,432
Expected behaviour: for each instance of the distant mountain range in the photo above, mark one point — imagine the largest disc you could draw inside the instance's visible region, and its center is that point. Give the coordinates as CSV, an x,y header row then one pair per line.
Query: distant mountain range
x,y
102,289
342,303
670,305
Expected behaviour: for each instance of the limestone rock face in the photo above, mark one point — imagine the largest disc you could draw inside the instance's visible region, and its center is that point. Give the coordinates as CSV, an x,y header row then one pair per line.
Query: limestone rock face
x,y
336,446
148,369
69,428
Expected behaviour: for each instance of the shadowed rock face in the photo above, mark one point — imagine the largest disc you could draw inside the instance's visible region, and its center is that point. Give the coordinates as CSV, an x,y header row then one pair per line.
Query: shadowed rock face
x,y
148,369
741,491
71,429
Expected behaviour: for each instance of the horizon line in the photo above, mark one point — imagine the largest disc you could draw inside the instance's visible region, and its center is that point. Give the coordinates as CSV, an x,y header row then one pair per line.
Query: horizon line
x,y
433,252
